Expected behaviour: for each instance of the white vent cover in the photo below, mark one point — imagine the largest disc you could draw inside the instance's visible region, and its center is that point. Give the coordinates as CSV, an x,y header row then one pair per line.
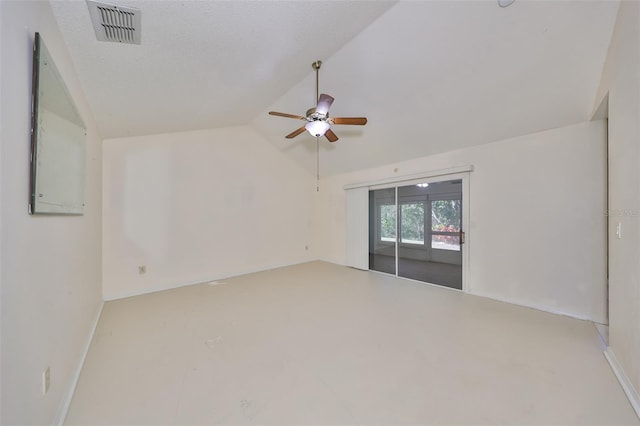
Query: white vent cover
x,y
115,23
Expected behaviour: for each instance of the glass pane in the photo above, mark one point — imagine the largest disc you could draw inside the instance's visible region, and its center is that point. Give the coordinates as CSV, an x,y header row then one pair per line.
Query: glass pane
x,y
417,259
412,223
445,216
382,230
445,242
388,222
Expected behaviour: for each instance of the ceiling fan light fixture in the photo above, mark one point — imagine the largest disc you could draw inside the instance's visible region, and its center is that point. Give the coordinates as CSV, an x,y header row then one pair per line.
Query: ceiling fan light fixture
x,y
317,127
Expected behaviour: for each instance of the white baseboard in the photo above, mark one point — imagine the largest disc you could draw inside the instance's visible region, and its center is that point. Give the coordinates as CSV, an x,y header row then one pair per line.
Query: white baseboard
x,y
225,276
532,306
627,386
66,402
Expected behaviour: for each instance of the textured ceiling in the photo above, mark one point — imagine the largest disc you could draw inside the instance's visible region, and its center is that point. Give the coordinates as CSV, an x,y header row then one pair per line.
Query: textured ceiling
x,y
204,64
431,76
436,76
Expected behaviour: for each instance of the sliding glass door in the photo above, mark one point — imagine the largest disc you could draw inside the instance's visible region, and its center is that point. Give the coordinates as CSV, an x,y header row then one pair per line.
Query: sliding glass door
x,y
415,232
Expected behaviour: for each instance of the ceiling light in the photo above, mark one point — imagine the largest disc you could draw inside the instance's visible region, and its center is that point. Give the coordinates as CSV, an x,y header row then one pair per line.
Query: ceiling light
x,y
505,3
317,128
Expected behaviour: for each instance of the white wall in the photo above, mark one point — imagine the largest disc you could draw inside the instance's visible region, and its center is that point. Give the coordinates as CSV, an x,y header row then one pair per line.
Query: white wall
x,y
621,80
1,227
199,206
537,230
50,264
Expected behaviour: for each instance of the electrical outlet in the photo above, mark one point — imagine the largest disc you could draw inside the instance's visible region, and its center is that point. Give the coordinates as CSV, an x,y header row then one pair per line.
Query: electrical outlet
x,y
46,380
142,269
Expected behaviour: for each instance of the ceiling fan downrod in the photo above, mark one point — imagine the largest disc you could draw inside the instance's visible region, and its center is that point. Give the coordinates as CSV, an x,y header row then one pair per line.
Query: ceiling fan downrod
x,y
316,66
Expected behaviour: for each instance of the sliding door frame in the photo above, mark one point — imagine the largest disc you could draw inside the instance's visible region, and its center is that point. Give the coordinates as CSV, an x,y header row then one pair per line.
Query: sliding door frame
x,y
464,176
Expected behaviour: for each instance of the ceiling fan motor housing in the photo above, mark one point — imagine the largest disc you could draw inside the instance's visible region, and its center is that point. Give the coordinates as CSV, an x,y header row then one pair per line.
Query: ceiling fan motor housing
x,y
313,115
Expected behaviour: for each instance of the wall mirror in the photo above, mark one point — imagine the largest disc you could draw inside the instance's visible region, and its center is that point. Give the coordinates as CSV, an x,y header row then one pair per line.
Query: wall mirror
x,y
58,141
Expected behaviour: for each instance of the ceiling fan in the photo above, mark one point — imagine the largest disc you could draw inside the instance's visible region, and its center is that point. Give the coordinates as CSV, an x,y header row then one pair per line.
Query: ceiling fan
x,y
318,121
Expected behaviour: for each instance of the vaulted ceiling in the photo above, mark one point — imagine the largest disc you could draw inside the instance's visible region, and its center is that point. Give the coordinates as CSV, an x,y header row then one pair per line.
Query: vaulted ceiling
x,y
431,76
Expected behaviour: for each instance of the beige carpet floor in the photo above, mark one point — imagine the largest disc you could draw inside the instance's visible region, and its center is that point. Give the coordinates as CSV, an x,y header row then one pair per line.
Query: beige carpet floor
x,y
323,344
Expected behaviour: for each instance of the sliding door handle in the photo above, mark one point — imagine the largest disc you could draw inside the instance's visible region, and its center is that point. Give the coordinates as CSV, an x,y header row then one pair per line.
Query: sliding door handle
x,y
461,237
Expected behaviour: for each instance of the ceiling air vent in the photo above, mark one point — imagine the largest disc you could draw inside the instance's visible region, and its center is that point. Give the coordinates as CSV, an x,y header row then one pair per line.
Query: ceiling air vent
x,y
115,23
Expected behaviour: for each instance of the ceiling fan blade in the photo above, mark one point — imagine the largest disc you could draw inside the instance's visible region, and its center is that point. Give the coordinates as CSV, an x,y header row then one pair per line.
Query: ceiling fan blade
x,y
324,103
283,114
358,121
295,133
331,136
